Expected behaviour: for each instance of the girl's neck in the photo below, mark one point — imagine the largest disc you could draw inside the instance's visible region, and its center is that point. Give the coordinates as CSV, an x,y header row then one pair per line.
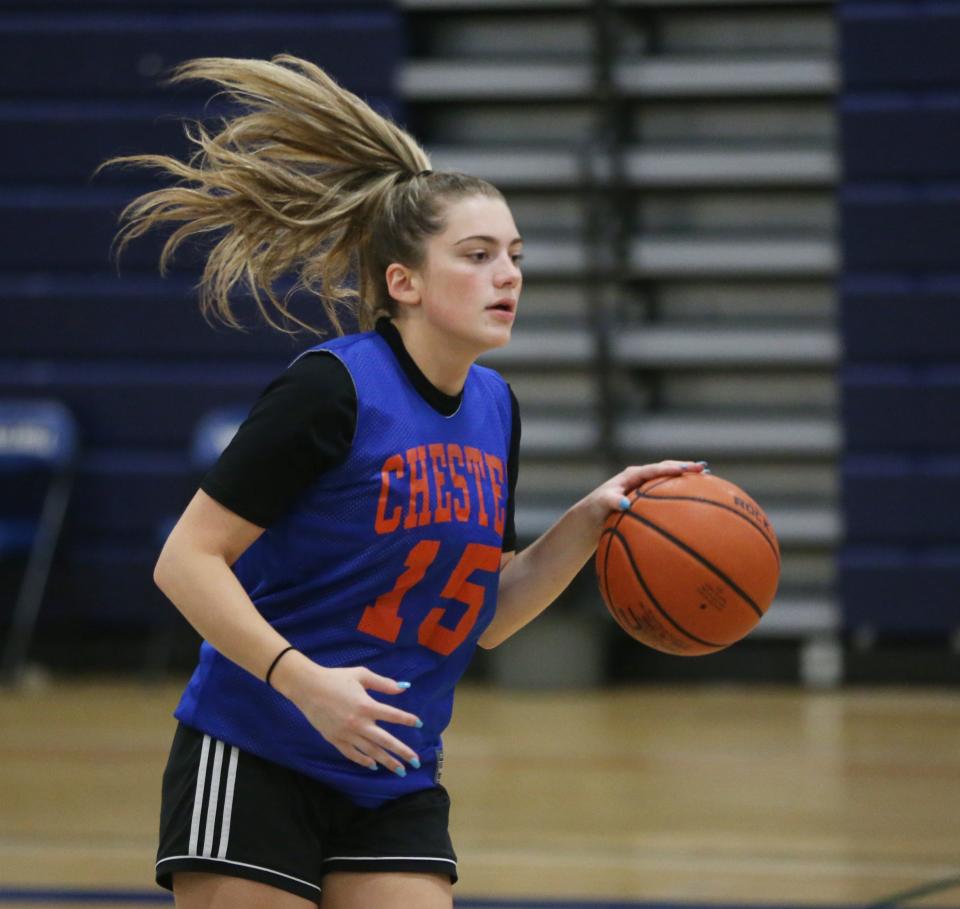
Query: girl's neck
x,y
443,363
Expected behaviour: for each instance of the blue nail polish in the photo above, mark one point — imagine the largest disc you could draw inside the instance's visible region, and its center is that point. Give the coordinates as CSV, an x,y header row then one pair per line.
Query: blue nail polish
x,y
403,685
704,463
624,503
400,771
418,724
415,763
374,767
706,471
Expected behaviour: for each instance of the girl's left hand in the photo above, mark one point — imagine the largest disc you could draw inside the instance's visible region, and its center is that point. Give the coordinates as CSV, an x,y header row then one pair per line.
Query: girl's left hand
x,y
612,494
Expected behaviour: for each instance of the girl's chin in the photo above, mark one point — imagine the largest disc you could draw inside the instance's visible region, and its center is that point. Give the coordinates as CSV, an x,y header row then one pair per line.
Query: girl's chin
x,y
499,335
490,337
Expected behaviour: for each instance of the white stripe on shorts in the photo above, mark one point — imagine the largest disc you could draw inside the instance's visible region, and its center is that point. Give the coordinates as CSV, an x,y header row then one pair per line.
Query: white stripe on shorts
x,y
228,802
198,796
214,800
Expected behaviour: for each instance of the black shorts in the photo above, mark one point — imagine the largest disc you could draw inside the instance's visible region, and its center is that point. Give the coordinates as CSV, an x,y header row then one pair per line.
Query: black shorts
x,y
225,811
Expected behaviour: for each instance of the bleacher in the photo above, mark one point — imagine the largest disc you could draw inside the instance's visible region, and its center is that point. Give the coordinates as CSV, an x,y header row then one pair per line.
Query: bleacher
x,y
716,266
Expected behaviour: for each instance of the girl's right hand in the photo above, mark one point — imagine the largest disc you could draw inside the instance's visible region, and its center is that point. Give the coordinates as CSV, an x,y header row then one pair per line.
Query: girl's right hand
x,y
336,703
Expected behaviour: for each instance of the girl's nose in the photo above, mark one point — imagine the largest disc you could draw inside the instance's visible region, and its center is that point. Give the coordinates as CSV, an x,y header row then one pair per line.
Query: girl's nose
x,y
510,274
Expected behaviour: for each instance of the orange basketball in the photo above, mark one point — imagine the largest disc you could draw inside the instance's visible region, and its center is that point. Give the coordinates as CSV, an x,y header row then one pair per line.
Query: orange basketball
x,y
690,567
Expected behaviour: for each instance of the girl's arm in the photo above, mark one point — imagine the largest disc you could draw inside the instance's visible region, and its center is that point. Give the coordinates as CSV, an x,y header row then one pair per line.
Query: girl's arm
x,y
194,572
537,575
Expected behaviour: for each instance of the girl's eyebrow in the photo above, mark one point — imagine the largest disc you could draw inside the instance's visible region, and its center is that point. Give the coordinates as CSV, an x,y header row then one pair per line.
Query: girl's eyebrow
x,y
488,239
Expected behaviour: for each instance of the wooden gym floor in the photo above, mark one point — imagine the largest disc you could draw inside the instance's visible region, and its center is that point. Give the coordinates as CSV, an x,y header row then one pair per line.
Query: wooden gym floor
x,y
708,795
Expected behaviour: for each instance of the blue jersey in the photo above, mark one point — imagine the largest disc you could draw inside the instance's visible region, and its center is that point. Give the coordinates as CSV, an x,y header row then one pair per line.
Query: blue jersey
x,y
390,561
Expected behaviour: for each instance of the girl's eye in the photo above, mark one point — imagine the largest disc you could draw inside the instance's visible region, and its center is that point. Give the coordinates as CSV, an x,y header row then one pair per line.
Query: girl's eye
x,y
482,256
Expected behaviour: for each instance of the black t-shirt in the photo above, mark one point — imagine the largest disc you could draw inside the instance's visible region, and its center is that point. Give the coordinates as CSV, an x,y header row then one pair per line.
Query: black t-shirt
x,y
303,424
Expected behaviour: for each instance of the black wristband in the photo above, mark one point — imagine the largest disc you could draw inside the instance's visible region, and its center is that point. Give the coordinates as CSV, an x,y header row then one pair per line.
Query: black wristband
x,y
276,660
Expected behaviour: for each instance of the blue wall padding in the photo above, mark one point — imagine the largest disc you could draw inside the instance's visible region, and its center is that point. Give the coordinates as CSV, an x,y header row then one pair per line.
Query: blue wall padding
x,y
899,499
898,45
133,317
900,319
98,130
899,117
901,408
75,231
124,54
899,589
95,130
136,404
901,227
900,136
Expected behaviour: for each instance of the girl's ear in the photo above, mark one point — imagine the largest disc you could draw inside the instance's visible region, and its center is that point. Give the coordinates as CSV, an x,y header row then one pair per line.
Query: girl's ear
x,y
403,284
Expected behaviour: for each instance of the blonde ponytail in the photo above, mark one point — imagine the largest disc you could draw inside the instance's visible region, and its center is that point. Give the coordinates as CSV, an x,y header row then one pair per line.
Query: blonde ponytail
x,y
308,180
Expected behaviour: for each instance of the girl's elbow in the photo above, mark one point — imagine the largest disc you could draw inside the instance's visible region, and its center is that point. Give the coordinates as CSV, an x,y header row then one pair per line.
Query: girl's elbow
x,y
488,641
165,568
160,570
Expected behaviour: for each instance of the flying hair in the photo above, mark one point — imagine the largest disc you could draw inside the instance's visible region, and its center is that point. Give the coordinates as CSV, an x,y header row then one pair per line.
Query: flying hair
x,y
307,180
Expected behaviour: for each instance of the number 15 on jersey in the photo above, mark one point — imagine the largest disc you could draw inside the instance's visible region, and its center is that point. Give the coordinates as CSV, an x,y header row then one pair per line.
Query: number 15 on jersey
x,y
382,619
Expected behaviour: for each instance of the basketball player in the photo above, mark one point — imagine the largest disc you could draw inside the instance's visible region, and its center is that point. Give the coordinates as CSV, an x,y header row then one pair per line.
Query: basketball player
x,y
355,541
